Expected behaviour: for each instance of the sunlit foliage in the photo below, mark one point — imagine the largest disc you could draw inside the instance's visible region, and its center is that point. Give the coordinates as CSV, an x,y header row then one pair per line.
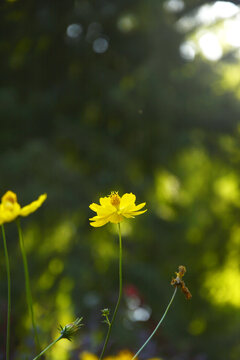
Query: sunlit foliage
x,y
101,95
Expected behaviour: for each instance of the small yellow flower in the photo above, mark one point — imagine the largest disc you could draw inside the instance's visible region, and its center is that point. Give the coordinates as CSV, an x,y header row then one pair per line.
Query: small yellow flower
x,y
114,209
10,208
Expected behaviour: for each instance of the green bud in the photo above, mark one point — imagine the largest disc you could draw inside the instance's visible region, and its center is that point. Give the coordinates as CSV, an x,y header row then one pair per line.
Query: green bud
x,y
69,330
105,312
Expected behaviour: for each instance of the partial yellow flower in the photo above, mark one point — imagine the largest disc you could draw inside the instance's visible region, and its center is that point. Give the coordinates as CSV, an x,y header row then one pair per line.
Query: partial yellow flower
x,y
86,355
10,208
110,357
124,355
114,209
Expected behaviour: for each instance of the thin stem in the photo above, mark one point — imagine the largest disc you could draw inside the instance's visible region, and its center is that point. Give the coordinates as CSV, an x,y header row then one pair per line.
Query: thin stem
x,y
9,292
119,294
165,313
27,284
48,347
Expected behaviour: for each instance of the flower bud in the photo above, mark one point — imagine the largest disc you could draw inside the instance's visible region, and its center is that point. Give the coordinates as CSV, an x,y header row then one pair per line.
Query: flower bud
x,y
68,331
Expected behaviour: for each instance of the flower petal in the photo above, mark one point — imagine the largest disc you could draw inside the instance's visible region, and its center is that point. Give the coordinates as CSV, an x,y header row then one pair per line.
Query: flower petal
x,y
127,199
140,206
100,218
132,209
128,215
105,201
99,223
95,207
134,213
94,218
28,209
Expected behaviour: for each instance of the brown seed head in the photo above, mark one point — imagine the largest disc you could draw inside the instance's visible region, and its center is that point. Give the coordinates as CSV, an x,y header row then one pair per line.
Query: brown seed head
x,y
186,292
178,282
181,270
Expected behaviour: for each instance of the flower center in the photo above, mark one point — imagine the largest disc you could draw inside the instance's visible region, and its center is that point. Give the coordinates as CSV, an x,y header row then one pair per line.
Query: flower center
x,y
115,199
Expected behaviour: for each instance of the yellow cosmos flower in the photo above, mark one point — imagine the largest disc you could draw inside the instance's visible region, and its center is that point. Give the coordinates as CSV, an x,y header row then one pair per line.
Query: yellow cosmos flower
x,y
114,209
10,208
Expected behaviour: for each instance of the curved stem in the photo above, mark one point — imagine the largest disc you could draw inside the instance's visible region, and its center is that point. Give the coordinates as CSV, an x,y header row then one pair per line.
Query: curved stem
x,y
27,284
119,294
9,292
48,347
165,313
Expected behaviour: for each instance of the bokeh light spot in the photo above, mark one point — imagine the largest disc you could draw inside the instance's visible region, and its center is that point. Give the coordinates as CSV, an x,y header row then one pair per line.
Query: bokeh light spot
x,y
174,5
139,314
223,286
100,45
188,50
56,266
46,281
232,29
127,23
227,188
74,30
197,326
224,9
210,46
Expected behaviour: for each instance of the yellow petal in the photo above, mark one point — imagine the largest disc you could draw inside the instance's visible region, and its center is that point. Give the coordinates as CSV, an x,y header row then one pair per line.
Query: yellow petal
x,y
99,223
105,201
134,213
140,206
94,218
95,207
128,215
100,218
106,211
133,210
127,199
26,210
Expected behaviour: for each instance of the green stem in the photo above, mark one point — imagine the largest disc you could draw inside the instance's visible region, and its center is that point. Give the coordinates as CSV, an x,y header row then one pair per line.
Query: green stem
x,y
119,294
165,313
9,292
27,284
48,347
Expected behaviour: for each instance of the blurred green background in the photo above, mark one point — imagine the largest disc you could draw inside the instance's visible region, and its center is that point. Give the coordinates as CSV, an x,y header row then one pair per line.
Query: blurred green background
x,y
136,96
